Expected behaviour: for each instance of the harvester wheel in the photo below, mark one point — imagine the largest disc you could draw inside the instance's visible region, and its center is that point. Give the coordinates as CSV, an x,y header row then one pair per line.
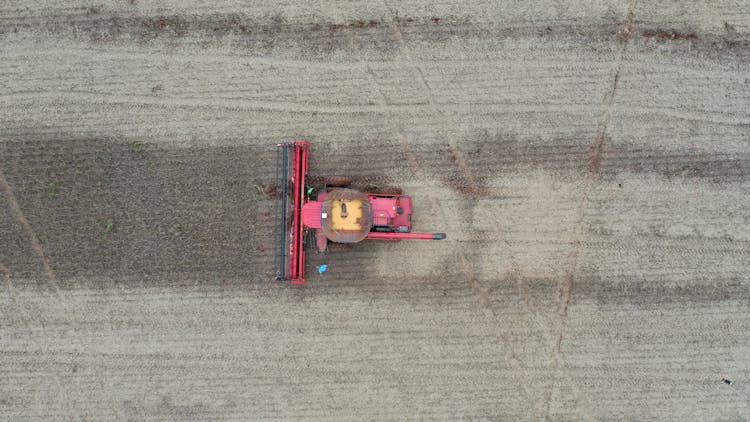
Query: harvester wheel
x,y
337,181
332,181
391,190
338,247
388,190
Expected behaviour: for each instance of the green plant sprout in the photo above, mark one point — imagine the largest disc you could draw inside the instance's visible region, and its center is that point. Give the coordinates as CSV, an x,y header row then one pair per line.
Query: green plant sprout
x,y
136,147
108,227
52,190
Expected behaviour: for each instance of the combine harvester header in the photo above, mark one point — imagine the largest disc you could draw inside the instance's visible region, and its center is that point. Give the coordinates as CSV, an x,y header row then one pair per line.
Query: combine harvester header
x,y
326,208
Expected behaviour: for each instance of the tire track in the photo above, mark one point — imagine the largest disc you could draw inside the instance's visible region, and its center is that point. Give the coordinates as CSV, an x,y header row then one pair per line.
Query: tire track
x,y
64,402
510,357
567,283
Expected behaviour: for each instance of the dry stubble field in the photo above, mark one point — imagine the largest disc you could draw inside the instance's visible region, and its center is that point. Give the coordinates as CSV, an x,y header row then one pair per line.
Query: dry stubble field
x,y
589,162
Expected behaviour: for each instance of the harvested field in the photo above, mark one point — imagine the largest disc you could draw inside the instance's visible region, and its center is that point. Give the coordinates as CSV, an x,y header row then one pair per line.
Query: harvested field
x,y
590,163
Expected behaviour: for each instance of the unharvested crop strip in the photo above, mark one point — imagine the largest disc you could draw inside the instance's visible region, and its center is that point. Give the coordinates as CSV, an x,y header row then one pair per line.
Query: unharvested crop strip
x,y
15,209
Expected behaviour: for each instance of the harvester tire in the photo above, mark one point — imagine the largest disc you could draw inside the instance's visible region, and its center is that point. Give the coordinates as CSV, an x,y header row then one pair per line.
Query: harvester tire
x,y
331,181
337,181
392,190
337,247
388,190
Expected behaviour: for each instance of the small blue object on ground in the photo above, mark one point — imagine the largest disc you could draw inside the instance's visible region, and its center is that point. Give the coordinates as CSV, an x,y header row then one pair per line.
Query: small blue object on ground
x,y
322,268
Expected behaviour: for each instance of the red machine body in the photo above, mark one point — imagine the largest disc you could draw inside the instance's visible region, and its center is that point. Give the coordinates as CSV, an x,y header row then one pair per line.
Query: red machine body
x,y
391,218
390,214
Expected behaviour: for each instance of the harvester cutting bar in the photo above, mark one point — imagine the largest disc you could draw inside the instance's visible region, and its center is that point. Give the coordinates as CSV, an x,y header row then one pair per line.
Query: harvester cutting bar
x,y
291,168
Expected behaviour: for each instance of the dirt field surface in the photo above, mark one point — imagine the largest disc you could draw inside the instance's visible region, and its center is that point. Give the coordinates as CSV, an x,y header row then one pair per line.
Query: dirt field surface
x,y
589,161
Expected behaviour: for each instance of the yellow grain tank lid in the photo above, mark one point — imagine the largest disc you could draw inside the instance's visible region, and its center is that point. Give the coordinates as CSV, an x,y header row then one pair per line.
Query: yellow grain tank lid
x,y
347,216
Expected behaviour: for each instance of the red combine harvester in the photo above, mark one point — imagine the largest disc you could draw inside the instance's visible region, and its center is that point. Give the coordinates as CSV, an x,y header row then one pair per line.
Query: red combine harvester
x,y
325,210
